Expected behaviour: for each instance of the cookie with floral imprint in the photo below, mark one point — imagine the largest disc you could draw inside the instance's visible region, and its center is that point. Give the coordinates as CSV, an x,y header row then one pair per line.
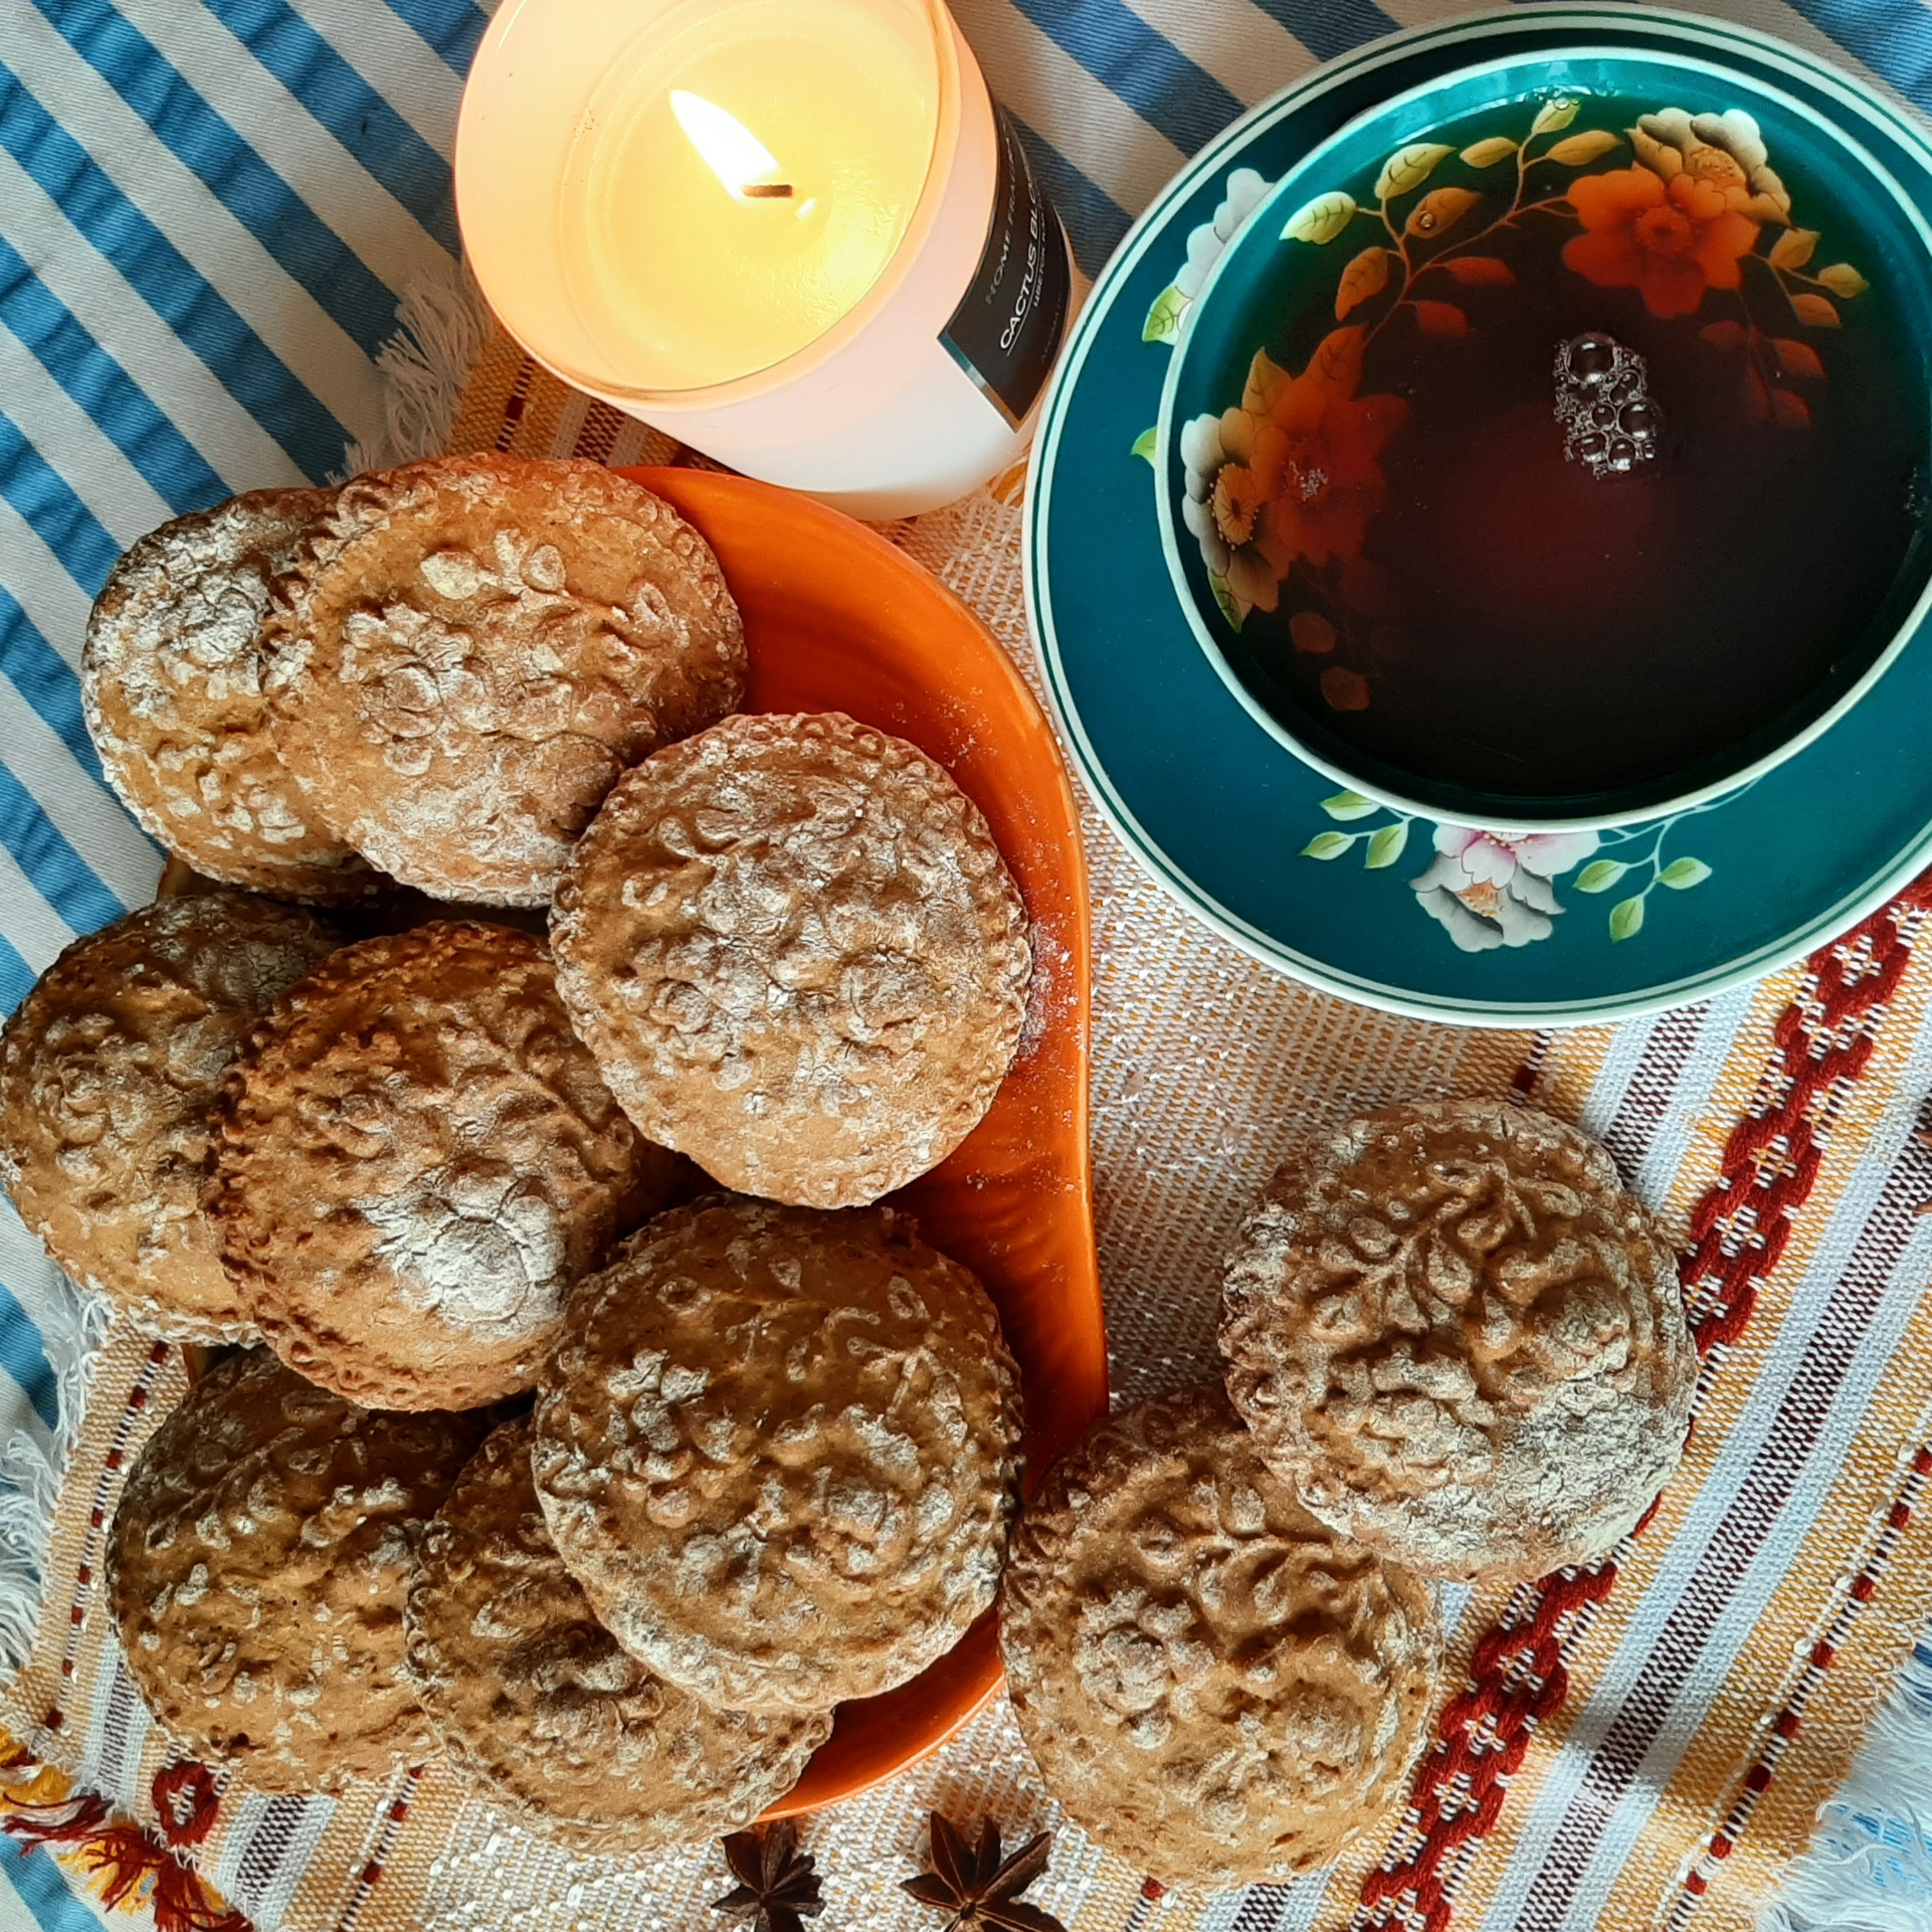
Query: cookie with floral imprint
x,y
780,1450
467,652
109,1070
170,686
798,955
1218,1687
415,1158
256,1571
1460,1337
543,1715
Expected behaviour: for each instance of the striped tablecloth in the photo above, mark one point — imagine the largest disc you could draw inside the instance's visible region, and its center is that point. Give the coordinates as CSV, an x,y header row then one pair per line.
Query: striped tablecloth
x,y
210,211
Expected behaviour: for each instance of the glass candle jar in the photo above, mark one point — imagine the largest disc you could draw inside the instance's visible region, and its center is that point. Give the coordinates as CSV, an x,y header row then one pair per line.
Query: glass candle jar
x,y
797,235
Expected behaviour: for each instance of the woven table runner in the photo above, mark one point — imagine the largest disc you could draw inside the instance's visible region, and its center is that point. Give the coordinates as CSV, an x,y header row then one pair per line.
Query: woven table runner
x,y
1639,1743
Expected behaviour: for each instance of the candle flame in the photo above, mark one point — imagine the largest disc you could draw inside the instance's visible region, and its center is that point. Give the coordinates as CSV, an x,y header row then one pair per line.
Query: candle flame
x,y
728,148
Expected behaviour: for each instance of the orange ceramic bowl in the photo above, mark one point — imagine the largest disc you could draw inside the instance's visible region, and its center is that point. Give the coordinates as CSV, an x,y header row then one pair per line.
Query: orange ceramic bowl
x,y
837,619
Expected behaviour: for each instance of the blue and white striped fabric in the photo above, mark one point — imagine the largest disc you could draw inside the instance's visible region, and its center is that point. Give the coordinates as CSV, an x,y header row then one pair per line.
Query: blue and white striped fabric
x,y
208,212
207,216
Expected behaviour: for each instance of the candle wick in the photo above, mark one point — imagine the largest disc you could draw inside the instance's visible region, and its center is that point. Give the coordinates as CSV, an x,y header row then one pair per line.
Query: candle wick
x,y
768,190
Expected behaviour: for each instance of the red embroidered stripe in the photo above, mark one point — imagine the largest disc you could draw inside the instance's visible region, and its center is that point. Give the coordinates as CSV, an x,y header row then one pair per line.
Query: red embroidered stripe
x,y
135,1401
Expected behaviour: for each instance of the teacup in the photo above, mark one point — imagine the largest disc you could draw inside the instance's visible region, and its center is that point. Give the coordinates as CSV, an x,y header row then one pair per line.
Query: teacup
x,y
1549,447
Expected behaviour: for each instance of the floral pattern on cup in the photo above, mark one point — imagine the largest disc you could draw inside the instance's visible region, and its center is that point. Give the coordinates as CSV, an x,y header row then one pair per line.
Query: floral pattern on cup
x,y
1244,193
1288,477
1487,890
1280,489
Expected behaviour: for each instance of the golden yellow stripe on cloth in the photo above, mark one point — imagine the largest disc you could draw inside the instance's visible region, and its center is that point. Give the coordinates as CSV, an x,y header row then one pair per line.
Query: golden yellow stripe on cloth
x,y
1571,1064
546,404
509,404
481,416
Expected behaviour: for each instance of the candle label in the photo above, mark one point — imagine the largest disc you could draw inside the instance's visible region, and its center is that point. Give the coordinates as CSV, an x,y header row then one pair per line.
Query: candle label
x,y
1007,330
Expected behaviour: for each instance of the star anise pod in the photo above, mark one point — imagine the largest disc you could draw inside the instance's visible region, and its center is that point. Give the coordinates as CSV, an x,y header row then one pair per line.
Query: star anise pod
x,y
971,1882
777,1885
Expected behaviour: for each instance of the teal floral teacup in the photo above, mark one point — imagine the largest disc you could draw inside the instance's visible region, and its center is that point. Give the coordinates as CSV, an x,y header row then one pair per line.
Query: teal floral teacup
x,y
1548,450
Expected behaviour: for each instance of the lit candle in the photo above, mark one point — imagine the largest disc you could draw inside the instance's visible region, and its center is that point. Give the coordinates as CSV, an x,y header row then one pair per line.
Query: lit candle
x,y
796,234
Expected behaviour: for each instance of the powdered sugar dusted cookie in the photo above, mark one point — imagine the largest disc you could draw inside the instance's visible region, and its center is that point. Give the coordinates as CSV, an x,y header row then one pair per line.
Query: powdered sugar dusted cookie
x,y
468,650
780,1450
415,1158
1219,1689
171,684
107,1072
1450,1327
539,1710
256,1567
795,950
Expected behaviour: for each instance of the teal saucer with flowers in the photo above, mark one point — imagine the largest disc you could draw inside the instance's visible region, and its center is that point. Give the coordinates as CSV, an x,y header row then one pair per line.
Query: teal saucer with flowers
x,y
1218,740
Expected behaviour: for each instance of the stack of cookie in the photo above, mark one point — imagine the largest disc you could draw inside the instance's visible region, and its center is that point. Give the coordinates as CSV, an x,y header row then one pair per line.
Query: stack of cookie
x,y
1455,1349
609,1434
435,673
774,1456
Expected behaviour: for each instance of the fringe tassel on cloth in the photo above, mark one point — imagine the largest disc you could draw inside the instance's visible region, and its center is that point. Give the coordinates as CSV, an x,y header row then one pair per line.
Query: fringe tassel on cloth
x,y
73,1325
442,323
1870,1867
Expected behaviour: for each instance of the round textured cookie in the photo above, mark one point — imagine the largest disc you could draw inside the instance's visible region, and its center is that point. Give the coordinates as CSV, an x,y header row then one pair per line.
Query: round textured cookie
x,y
797,954
170,682
414,1158
256,1569
1454,1332
108,1070
468,651
539,1710
1216,1687
780,1450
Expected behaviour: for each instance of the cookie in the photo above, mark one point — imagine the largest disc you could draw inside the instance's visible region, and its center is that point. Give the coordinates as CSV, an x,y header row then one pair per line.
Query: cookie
x,y
415,1158
170,683
108,1070
798,956
468,650
542,1714
780,1450
256,1568
1454,1332
1217,1688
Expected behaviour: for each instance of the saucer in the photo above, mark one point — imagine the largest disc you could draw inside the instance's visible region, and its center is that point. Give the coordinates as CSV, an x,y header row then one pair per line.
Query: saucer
x,y
1388,907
